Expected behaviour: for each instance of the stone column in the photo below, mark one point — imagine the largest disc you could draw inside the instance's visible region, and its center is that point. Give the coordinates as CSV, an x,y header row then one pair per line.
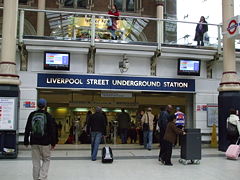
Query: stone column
x,y
229,88
8,73
230,80
160,15
41,18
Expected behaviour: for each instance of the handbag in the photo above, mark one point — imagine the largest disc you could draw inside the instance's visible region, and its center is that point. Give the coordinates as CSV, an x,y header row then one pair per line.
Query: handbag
x,y
146,125
232,130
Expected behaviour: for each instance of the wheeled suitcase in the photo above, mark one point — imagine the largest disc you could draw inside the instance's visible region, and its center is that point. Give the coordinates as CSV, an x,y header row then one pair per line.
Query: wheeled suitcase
x,y
107,155
233,151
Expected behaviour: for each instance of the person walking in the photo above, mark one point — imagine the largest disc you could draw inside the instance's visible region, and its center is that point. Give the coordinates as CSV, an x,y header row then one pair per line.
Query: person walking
x,y
201,28
124,120
162,124
169,139
233,120
112,27
42,131
97,128
147,123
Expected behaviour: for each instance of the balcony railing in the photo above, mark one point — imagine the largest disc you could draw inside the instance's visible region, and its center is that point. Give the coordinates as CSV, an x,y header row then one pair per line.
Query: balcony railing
x,y
93,27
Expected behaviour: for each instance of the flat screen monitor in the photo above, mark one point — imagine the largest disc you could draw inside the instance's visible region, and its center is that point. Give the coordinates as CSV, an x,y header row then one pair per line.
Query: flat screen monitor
x,y
189,67
57,61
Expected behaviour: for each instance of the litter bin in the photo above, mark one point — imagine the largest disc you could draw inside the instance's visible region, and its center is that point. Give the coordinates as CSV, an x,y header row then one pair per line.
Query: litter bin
x,y
8,144
191,147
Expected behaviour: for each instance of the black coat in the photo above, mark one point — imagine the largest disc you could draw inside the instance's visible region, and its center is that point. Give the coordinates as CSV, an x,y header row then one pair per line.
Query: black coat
x,y
97,122
199,32
49,138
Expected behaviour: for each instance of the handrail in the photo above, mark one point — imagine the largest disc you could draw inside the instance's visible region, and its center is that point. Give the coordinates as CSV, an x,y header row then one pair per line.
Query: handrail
x,y
95,15
107,15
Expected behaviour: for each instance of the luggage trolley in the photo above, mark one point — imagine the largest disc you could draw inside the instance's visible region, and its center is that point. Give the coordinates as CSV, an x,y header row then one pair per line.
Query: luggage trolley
x,y
191,147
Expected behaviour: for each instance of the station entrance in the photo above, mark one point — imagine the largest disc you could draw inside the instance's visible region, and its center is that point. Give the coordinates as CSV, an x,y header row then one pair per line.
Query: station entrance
x,y
70,108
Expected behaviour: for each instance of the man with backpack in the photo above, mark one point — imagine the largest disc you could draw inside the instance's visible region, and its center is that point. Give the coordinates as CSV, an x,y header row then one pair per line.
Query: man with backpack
x,y
42,131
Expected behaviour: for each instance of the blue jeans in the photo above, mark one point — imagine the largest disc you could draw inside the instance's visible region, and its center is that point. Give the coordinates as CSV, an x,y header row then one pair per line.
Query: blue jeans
x,y
147,139
95,141
123,134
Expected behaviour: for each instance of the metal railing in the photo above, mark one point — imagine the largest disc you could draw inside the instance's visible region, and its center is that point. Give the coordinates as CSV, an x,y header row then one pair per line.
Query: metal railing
x,y
93,27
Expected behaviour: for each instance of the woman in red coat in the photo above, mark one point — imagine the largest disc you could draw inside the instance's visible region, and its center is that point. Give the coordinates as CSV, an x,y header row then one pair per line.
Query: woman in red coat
x,y
114,11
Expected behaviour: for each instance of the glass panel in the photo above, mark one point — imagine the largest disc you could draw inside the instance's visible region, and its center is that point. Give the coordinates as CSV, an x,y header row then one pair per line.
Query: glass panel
x,y
23,1
180,33
68,3
130,5
119,4
82,3
126,30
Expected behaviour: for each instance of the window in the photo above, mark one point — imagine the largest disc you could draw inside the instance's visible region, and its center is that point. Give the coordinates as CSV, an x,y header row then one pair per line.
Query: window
x,y
23,2
75,3
126,5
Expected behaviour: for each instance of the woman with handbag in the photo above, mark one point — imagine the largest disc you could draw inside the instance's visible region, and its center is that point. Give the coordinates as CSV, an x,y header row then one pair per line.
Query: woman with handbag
x,y
233,126
147,123
201,28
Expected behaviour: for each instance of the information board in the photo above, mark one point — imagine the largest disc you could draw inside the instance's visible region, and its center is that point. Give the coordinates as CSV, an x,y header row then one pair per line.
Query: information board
x,y
7,113
212,114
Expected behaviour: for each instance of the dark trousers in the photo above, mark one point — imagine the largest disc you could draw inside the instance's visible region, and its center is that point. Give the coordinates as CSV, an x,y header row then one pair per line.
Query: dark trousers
x,y
167,152
161,141
179,137
123,134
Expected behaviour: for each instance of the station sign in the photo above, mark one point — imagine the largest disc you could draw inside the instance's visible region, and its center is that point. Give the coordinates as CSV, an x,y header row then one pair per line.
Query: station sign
x,y
122,83
233,27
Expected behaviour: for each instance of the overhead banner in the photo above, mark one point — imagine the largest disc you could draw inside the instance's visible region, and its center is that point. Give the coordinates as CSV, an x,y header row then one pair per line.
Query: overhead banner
x,y
114,82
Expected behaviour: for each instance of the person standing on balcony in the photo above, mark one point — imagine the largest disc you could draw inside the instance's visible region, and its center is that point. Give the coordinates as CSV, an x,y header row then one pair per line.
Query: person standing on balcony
x,y
112,26
200,30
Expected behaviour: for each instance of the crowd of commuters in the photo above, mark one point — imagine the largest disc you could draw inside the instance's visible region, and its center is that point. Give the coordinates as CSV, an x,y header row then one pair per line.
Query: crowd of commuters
x,y
44,132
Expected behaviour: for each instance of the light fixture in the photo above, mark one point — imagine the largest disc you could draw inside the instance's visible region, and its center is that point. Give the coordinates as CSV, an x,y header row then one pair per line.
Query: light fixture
x,y
124,64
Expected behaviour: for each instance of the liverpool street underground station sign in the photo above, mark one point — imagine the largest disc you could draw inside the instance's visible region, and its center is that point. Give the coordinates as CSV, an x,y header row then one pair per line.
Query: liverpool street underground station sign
x,y
233,27
70,81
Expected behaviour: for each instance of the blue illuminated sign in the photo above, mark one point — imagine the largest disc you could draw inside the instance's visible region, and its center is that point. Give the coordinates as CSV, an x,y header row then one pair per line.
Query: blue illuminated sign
x,y
114,82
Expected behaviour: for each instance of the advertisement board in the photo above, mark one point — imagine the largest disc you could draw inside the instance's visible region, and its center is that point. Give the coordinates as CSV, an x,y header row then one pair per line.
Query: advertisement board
x,y
8,113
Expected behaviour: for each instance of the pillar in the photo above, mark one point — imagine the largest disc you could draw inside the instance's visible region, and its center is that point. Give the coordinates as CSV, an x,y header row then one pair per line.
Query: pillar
x,y
8,73
229,88
41,18
160,15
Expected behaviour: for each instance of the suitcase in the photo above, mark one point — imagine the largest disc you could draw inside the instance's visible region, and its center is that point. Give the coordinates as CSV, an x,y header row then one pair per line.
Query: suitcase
x,y
233,151
107,155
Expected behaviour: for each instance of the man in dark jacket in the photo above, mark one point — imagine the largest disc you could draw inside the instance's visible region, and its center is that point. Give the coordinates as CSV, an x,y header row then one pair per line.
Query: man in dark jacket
x,y
124,124
41,129
162,124
97,126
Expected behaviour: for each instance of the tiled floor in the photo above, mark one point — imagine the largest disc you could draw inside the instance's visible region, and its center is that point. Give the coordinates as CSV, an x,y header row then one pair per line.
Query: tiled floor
x,y
71,162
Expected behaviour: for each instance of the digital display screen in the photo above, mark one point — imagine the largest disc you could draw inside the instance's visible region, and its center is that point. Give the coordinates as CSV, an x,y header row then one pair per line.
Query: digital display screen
x,y
189,67
56,60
